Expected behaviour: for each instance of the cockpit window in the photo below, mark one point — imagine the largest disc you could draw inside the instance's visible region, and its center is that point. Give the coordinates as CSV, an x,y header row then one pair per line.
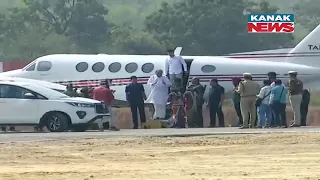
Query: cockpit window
x,y
31,67
44,66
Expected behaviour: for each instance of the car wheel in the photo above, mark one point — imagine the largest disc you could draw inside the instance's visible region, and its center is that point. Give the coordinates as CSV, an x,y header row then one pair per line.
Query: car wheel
x,y
80,128
57,122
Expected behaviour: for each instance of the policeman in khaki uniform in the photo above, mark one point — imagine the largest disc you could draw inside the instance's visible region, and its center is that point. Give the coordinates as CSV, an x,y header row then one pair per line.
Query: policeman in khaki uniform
x,y
295,96
248,91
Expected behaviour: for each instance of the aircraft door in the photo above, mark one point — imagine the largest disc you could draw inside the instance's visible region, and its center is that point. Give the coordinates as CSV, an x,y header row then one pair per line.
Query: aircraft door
x,y
187,75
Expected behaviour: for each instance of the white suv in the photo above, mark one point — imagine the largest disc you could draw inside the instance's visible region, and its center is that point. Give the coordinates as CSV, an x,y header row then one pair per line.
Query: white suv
x,y
24,103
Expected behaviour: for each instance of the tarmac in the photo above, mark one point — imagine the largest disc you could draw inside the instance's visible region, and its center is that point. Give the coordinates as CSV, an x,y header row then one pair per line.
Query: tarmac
x,y
7,137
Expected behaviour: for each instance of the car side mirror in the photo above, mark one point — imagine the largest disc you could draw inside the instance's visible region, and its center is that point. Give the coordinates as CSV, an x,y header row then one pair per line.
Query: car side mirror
x,y
29,96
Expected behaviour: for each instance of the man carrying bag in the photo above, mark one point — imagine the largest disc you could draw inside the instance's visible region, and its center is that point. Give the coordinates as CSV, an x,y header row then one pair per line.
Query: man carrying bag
x,y
262,103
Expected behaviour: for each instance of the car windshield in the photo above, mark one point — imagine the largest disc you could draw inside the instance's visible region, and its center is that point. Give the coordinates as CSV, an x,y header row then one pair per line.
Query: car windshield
x,y
49,93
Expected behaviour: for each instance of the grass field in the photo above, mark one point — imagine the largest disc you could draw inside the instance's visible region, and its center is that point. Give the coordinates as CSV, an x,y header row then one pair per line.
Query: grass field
x,y
315,99
235,157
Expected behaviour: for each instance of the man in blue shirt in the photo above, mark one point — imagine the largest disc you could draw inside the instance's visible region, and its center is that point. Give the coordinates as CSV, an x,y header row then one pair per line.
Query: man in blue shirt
x,y
278,102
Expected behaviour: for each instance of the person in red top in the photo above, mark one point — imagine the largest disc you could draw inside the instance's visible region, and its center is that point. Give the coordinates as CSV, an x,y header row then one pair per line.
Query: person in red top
x,y
104,94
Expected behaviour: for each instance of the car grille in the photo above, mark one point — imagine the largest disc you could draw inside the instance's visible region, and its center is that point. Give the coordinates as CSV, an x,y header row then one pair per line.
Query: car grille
x,y
100,108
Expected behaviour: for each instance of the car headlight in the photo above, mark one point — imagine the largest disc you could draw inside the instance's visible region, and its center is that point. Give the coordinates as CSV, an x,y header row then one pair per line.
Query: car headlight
x,y
85,105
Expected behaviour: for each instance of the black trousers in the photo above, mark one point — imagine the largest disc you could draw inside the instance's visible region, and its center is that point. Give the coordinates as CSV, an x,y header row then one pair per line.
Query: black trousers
x,y
134,112
198,116
279,112
304,108
238,111
215,110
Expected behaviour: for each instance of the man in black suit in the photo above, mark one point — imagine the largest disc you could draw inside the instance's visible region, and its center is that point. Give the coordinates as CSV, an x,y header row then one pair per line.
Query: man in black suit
x,y
135,97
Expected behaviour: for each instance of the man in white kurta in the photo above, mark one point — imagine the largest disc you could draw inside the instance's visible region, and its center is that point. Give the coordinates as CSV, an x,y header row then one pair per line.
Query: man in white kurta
x,y
159,93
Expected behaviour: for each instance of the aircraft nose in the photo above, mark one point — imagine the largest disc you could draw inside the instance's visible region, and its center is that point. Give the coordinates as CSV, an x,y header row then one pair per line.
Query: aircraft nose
x,y
14,73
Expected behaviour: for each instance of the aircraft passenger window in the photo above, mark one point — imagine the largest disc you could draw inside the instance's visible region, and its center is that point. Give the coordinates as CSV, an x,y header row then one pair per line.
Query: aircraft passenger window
x,y
147,67
32,67
208,68
114,67
44,66
98,67
82,66
131,67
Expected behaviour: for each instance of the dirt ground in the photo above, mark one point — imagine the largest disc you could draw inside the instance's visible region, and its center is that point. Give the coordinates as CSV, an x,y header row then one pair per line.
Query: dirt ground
x,y
267,156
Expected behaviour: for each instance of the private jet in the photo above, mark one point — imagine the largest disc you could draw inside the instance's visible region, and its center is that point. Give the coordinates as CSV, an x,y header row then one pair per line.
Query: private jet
x,y
85,70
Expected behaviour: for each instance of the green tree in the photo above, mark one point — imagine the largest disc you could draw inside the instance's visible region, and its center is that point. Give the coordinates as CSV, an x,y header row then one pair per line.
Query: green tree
x,y
128,42
211,27
24,38
307,13
81,20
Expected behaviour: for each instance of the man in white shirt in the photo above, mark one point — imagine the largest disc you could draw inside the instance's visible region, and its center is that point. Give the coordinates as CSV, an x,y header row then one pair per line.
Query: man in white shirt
x,y
174,66
159,94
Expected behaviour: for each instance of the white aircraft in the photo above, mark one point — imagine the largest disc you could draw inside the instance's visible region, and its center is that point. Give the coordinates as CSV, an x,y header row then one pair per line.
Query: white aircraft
x,y
88,70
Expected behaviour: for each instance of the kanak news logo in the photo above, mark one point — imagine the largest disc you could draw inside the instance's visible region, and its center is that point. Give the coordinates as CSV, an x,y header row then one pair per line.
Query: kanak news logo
x,y
270,23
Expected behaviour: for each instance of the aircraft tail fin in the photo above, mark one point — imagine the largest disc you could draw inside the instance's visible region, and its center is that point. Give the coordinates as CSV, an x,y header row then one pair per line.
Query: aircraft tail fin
x,y
307,52
177,51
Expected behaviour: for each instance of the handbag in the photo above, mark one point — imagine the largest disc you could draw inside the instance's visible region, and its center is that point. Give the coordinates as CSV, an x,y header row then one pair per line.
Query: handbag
x,y
278,101
259,100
